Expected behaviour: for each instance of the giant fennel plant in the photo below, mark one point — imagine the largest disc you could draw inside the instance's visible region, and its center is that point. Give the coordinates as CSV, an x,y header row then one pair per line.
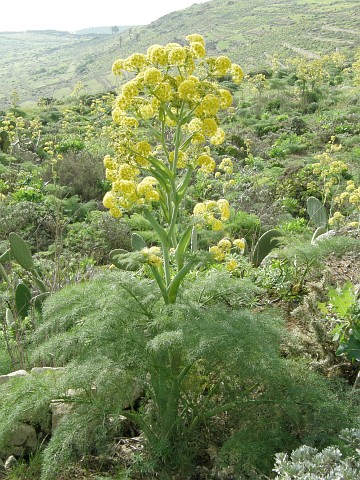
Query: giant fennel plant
x,y
165,120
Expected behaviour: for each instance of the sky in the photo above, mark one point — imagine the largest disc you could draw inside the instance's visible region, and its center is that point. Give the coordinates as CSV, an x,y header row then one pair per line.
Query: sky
x,y
71,15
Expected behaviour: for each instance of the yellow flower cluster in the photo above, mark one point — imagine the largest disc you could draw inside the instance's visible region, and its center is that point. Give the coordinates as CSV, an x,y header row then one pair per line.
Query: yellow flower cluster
x,y
337,218
174,90
329,170
127,188
206,163
221,252
151,256
212,213
349,200
226,166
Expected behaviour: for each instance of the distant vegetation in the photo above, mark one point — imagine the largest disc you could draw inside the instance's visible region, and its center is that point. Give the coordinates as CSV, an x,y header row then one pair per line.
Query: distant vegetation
x,y
250,31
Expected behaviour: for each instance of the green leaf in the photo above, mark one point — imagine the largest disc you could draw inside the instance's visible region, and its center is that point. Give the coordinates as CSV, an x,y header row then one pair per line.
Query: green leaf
x,y
39,299
323,308
181,189
343,300
160,282
22,299
21,252
129,261
4,141
137,242
351,349
169,113
9,317
182,246
40,284
316,212
194,240
5,257
157,227
356,332
176,281
161,168
266,243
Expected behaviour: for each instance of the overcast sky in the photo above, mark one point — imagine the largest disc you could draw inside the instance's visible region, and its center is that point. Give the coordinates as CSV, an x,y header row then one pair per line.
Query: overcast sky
x,y
19,15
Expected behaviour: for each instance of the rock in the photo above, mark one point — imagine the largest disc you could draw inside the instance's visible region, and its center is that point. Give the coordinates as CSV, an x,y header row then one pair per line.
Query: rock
x,y
324,236
10,462
9,376
58,411
22,441
128,448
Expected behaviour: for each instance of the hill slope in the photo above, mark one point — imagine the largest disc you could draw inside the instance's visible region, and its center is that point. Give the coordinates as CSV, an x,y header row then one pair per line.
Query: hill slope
x,y
39,64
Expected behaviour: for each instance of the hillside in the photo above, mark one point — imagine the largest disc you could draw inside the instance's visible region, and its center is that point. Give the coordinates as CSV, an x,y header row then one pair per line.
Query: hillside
x,y
43,64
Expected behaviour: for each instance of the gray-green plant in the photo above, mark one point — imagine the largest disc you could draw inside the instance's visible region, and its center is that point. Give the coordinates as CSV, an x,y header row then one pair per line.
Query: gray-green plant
x,y
308,463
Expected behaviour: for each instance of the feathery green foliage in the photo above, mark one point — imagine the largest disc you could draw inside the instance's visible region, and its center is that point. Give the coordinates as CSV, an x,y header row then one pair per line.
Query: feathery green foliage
x,y
188,364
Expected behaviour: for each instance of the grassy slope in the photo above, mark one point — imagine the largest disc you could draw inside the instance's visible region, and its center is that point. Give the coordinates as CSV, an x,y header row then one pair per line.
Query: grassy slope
x,y
39,64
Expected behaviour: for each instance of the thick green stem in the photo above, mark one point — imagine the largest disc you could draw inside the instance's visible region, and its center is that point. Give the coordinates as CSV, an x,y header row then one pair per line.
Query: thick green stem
x,y
166,265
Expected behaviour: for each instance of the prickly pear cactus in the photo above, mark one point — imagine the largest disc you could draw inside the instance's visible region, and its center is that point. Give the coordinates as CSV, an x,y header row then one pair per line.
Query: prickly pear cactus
x,y
267,242
317,212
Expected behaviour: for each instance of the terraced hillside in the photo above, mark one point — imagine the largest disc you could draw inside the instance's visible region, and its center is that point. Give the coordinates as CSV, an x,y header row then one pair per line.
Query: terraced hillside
x,y
39,64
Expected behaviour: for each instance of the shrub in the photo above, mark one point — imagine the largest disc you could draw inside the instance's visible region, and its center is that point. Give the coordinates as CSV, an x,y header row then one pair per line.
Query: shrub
x,y
195,365
82,173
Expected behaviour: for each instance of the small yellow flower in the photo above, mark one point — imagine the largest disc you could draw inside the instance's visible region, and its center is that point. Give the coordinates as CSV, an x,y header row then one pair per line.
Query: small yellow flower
x,y
226,98
237,73
231,265
218,254
135,62
130,89
206,163
218,138
109,162
157,55
163,92
115,212
217,225
224,244
226,165
199,209
209,127
177,56
338,216
224,208
152,76
198,50
239,243
118,67
210,105
222,65
195,38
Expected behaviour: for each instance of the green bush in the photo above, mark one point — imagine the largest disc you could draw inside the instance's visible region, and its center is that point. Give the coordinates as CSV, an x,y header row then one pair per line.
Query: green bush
x,y
196,366
96,236
82,173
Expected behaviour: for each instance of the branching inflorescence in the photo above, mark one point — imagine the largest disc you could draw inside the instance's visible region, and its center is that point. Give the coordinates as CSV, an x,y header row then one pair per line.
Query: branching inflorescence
x,y
166,120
